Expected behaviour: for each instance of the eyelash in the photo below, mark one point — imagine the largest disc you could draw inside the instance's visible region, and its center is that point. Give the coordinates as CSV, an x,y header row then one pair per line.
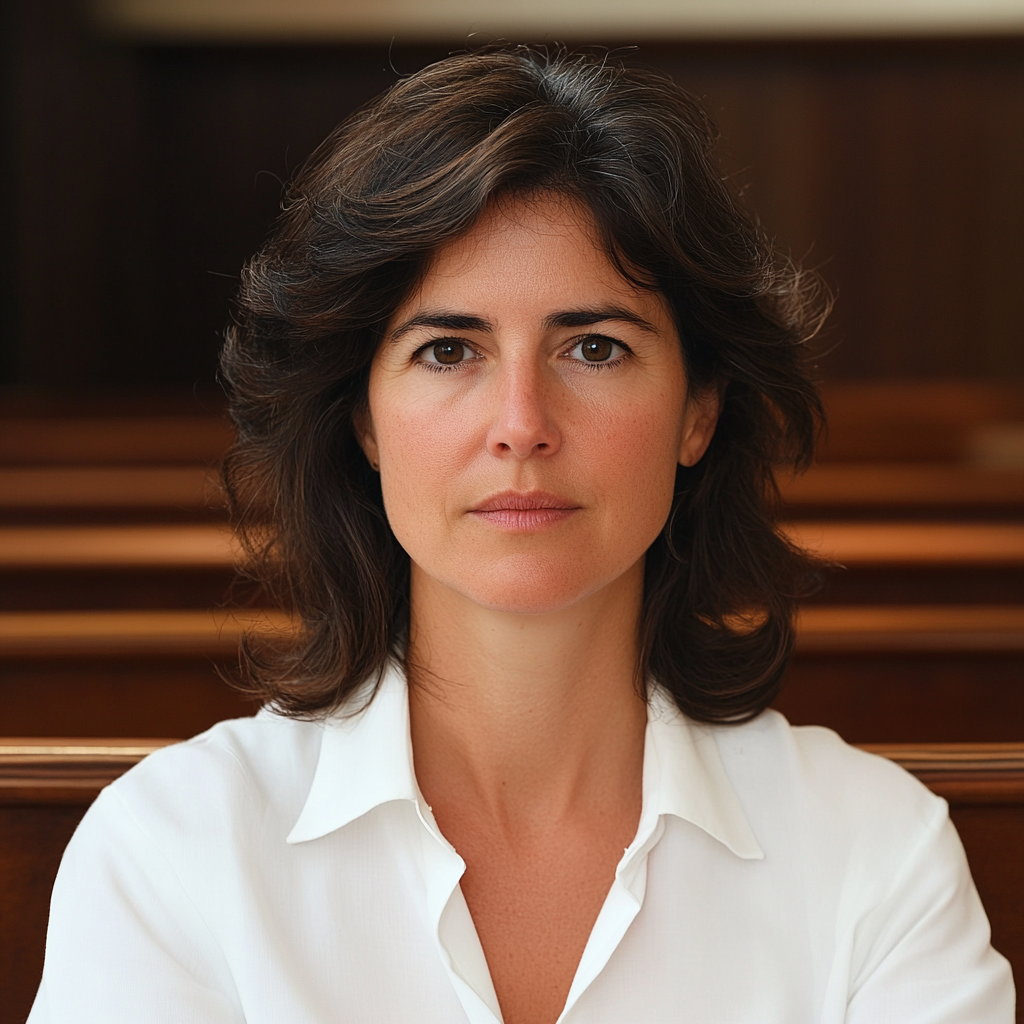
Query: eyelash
x,y
606,364
576,342
441,367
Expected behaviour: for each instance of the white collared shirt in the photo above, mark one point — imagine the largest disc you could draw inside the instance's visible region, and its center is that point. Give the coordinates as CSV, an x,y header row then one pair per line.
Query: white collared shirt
x,y
281,872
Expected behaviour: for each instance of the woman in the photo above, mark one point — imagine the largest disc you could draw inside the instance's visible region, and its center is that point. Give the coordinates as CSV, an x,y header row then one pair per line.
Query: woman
x,y
510,379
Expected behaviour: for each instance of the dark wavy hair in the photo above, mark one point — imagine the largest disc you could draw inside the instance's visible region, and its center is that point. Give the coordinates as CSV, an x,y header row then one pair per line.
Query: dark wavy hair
x,y
412,171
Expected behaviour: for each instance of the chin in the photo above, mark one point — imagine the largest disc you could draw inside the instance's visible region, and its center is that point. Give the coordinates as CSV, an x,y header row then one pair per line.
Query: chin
x,y
529,586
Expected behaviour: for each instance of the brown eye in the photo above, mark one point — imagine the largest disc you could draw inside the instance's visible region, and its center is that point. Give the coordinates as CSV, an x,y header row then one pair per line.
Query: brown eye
x,y
448,353
597,350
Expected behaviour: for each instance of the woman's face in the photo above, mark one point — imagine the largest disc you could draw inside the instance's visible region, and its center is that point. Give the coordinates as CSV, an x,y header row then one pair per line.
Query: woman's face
x,y
527,409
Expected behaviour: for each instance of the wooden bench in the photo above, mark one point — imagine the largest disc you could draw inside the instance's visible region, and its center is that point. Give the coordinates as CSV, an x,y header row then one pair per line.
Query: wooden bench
x,y
917,562
42,494
881,490
113,440
873,673
922,420
45,788
116,547
912,629
122,672
820,628
134,566
914,544
950,490
895,562
34,494
918,673
46,785
851,543
127,634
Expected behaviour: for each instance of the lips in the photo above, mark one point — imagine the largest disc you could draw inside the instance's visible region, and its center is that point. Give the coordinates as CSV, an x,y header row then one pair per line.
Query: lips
x,y
529,510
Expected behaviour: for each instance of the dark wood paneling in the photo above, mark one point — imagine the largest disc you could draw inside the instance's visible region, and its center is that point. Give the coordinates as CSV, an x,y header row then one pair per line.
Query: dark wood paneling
x,y
865,584
894,168
122,697
913,697
32,845
83,256
875,698
146,175
35,590
993,836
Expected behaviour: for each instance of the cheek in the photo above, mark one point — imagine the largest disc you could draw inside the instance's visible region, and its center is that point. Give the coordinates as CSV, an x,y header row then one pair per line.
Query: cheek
x,y
638,463
420,452
633,452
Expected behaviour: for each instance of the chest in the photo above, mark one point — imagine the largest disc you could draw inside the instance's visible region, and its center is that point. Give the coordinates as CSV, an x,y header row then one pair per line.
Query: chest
x,y
382,936
534,910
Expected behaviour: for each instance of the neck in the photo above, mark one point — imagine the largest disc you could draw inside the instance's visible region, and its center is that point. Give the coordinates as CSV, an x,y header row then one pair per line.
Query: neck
x,y
526,717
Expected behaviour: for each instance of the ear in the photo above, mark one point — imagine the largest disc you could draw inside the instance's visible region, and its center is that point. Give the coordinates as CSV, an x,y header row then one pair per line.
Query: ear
x,y
699,420
362,423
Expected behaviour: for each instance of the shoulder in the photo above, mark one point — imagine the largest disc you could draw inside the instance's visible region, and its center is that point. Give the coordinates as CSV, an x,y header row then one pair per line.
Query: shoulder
x,y
807,782
811,763
240,775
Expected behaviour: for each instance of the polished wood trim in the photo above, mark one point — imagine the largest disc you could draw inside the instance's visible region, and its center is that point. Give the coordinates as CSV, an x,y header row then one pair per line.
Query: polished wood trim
x,y
820,629
912,628
912,544
852,544
92,487
132,633
966,774
947,423
62,771
51,749
95,547
865,485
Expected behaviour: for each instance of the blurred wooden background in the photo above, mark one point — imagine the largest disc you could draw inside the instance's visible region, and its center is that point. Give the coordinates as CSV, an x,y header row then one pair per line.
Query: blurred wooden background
x,y
139,171
141,174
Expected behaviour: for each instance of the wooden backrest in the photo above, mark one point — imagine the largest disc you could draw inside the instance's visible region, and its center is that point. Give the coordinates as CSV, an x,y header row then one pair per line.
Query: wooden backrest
x,y
942,420
915,673
903,490
984,784
909,544
46,785
114,440
879,489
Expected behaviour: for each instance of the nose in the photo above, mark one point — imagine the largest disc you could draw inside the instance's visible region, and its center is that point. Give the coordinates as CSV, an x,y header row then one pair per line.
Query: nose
x,y
523,425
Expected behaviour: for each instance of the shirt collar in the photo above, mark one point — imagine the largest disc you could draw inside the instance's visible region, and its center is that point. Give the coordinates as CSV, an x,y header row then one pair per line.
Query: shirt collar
x,y
366,760
688,779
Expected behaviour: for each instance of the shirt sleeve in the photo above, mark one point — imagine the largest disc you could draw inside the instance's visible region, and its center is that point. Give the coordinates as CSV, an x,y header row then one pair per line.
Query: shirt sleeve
x,y
125,944
923,955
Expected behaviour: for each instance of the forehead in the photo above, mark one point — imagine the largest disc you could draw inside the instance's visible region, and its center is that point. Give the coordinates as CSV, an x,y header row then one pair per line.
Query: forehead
x,y
542,250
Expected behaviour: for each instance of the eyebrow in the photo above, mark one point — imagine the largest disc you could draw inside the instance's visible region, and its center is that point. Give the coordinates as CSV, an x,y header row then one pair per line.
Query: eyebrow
x,y
447,321
588,317
441,320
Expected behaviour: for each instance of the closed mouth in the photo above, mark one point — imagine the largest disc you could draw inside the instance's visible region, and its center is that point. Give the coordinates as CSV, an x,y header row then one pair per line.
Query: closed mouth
x,y
519,511
529,501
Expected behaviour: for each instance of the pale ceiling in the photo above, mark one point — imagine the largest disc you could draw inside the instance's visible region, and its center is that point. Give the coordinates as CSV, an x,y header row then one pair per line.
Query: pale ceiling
x,y
591,20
